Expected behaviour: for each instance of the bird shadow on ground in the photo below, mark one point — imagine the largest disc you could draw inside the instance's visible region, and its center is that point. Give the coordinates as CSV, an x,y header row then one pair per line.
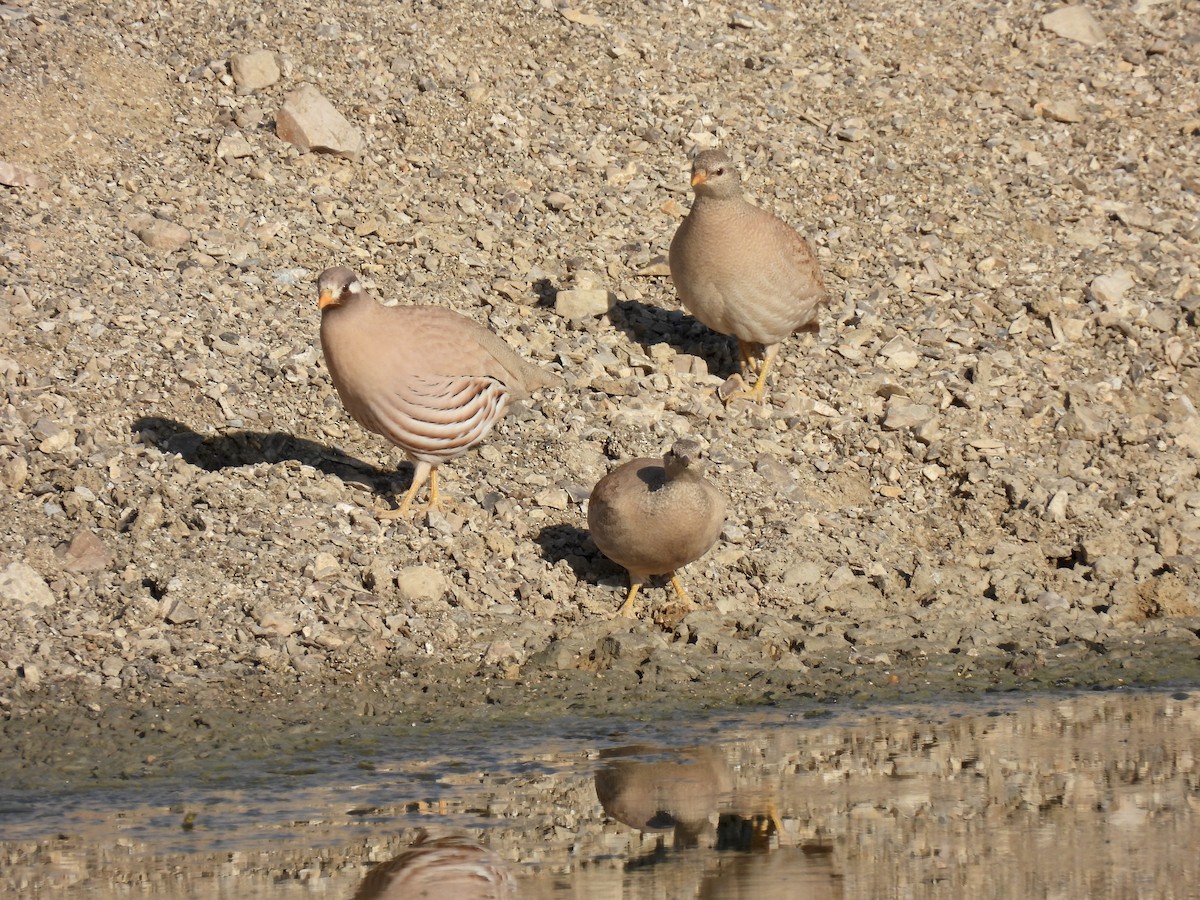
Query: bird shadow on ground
x,y
246,448
650,325
546,291
573,545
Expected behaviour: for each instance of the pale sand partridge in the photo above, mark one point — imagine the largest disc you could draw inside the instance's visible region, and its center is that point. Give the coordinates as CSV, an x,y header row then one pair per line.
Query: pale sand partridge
x,y
448,868
742,271
654,516
429,380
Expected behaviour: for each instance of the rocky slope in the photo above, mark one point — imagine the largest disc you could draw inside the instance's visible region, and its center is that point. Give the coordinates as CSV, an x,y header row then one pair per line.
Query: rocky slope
x,y
981,473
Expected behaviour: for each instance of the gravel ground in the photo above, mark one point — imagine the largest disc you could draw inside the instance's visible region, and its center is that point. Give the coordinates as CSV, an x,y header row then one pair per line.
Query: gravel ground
x,y
981,474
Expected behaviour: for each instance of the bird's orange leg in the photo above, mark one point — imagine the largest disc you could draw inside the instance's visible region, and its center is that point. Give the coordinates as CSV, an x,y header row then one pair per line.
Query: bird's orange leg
x,y
434,501
757,392
627,607
748,357
422,472
678,585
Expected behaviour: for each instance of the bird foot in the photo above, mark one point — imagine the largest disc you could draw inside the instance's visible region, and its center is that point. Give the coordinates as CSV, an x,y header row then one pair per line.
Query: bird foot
x,y
434,501
735,388
399,512
768,824
626,609
405,509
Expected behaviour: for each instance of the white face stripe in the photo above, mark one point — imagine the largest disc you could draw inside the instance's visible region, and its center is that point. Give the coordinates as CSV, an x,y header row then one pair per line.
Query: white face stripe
x,y
354,287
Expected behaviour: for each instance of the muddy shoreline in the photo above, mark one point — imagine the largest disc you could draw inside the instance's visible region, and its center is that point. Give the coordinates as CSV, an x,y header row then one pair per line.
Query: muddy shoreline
x,y
93,739
860,790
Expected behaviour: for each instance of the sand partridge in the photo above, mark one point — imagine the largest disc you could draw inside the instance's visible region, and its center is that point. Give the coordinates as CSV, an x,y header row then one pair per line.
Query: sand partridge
x,y
448,868
654,516
742,271
429,380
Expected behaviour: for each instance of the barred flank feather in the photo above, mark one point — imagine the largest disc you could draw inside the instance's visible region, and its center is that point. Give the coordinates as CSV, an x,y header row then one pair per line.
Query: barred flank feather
x,y
436,419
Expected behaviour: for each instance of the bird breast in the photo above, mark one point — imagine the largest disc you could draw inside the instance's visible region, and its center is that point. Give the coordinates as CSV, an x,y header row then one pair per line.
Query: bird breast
x,y
742,271
429,394
652,526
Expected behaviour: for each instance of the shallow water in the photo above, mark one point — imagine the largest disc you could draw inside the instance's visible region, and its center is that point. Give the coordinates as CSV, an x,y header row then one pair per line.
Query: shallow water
x,y
1094,795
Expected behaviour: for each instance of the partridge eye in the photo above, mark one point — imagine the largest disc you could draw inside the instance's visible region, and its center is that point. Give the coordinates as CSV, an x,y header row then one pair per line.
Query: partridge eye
x,y
719,171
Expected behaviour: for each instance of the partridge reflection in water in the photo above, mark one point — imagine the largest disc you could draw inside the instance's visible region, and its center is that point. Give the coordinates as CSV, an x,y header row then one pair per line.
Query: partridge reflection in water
x,y
651,789
449,868
655,516
429,380
742,271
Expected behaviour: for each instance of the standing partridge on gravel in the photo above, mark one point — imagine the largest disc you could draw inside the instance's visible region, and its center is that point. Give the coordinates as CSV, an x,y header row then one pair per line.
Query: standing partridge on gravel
x,y
449,868
742,271
429,380
654,516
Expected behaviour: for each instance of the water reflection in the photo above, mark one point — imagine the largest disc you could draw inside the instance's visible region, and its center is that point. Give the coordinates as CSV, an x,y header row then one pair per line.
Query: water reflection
x,y
1093,795
785,873
691,794
454,867
679,793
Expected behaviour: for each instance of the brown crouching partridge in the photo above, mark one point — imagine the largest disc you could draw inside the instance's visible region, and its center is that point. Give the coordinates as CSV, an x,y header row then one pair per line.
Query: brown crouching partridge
x,y
654,516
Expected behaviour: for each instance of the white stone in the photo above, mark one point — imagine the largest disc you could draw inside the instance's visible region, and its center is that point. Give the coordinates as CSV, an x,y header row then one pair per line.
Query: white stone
x,y
253,71
1110,289
325,567
1075,23
583,303
1063,110
552,498
57,441
22,585
579,17
180,613
1056,509
19,176
15,473
903,413
421,583
163,235
280,624
804,572
903,360
310,122
85,553
32,674
233,146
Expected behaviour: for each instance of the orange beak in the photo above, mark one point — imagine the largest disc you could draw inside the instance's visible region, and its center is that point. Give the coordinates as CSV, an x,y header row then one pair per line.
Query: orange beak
x,y
699,177
326,299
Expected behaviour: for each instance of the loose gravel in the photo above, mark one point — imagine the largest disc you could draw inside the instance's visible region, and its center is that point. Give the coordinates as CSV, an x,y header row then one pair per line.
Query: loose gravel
x,y
981,474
